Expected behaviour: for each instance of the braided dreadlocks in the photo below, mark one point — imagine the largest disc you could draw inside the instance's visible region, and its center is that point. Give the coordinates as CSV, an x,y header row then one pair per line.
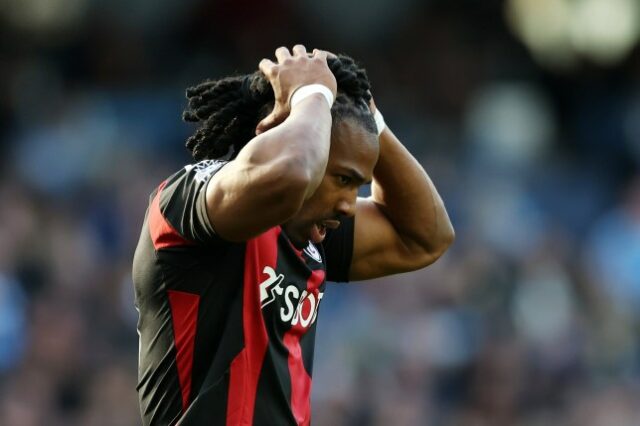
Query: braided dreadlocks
x,y
229,109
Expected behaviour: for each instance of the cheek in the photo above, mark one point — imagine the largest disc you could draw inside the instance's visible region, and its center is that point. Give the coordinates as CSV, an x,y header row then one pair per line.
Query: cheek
x,y
324,192
312,207
326,197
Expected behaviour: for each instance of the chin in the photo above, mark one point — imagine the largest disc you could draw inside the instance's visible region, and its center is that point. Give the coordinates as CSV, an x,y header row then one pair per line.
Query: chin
x,y
298,242
296,238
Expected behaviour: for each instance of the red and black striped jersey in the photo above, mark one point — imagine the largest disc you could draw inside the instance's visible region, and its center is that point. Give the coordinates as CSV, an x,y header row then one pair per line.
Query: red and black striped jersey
x,y
226,329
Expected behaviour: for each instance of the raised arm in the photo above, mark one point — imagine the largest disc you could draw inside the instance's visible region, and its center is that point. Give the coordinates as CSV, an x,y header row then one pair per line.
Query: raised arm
x,y
281,167
403,225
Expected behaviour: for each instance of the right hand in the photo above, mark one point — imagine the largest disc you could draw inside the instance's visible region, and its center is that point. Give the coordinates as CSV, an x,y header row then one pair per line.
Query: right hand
x,y
290,73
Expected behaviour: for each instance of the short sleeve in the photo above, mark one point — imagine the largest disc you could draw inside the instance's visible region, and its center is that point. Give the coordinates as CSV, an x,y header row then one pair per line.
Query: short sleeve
x,y
182,201
338,250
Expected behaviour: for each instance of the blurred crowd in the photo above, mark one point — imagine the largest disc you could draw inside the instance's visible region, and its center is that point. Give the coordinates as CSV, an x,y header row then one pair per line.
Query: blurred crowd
x,y
530,319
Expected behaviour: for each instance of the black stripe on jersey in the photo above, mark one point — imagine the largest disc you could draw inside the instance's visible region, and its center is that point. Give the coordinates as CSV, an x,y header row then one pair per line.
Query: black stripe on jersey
x,y
209,406
158,383
275,381
220,298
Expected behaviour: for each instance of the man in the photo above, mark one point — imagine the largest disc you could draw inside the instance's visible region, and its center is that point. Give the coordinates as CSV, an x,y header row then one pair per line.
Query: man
x,y
230,269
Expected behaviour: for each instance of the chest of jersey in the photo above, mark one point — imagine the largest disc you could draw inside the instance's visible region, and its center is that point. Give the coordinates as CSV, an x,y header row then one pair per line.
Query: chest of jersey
x,y
290,293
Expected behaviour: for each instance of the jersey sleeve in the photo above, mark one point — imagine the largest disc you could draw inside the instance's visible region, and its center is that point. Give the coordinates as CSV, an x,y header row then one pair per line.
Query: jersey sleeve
x,y
338,250
182,201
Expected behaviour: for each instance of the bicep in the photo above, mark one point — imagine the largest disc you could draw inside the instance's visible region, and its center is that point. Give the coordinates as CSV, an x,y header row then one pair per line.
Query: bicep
x,y
244,200
379,249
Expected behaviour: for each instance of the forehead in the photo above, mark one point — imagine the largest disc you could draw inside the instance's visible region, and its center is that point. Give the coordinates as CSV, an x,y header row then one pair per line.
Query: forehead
x,y
353,147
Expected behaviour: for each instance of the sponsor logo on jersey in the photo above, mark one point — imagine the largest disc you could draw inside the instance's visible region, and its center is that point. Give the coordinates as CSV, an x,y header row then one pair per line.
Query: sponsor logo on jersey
x,y
299,308
313,252
270,287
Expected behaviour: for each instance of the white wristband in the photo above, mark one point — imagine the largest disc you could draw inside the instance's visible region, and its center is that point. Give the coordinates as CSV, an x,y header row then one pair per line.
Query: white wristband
x,y
380,124
308,90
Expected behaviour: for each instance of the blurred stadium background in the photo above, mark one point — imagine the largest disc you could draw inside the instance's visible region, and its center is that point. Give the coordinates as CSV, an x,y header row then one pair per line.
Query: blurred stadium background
x,y
526,113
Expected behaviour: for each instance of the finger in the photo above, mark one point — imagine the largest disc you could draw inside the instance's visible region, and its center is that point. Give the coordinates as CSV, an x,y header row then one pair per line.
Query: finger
x,y
266,66
299,50
326,52
317,53
282,53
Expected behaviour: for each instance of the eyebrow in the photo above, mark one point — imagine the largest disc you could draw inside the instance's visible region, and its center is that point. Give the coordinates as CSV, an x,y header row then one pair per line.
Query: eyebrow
x,y
355,175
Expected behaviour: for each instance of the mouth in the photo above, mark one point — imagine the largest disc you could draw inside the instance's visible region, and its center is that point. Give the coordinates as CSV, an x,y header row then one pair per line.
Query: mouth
x,y
319,229
331,223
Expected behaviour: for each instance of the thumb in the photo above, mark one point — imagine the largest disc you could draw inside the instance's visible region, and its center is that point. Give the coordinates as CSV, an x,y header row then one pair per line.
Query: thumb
x,y
277,116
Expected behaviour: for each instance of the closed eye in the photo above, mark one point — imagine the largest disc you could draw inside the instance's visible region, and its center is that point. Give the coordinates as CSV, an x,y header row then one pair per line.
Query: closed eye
x,y
345,180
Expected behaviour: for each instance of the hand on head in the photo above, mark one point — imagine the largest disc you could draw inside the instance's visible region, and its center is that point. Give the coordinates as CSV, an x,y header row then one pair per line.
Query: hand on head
x,y
290,73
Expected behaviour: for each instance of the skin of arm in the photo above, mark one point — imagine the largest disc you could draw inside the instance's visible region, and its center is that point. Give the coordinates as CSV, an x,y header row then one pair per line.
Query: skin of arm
x,y
411,227
403,225
280,168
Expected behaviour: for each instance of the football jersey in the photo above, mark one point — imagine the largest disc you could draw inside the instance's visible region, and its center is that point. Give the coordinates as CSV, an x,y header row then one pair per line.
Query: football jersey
x,y
226,329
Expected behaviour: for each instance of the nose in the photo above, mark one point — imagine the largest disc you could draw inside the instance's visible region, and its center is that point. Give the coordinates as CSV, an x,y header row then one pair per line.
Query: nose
x,y
347,206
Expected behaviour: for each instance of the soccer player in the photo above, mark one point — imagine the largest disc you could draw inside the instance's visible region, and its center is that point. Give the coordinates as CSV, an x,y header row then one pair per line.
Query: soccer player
x,y
230,269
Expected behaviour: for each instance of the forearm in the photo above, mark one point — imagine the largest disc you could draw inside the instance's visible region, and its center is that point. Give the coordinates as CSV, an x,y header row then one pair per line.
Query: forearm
x,y
297,149
312,140
408,198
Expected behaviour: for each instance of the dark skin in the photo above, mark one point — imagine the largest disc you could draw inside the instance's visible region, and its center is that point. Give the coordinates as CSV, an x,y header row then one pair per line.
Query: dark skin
x,y
352,158
298,172
412,228
279,169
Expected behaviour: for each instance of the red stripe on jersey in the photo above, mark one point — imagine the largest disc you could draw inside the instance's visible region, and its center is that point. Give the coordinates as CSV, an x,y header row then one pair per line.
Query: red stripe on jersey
x,y
245,368
184,312
300,379
162,233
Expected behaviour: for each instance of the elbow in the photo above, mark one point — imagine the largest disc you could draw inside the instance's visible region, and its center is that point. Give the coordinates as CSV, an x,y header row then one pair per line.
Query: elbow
x,y
448,235
445,239
433,248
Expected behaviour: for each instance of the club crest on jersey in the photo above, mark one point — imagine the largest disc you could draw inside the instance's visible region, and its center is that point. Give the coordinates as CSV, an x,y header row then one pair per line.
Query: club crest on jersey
x,y
313,252
204,169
